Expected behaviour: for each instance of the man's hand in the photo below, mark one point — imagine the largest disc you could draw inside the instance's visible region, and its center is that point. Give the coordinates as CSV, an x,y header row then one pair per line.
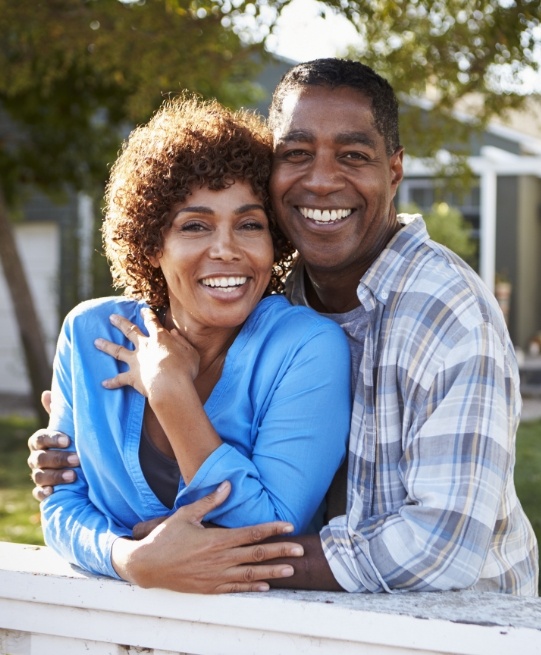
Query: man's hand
x,y
50,467
181,555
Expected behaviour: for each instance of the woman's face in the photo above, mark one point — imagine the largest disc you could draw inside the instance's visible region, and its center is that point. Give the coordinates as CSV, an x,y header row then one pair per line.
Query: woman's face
x,y
217,257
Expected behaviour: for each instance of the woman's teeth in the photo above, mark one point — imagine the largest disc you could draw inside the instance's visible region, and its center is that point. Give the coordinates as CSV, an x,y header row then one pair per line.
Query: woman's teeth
x,y
226,284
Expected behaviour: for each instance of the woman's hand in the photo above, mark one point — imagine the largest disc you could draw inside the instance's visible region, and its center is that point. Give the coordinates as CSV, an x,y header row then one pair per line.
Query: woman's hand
x,y
158,361
180,554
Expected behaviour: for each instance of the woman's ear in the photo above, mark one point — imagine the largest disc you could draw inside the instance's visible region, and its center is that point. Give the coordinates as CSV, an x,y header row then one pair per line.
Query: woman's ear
x,y
155,259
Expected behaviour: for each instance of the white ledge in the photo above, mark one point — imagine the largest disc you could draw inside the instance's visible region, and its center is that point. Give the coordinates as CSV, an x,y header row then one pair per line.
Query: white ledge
x,y
47,606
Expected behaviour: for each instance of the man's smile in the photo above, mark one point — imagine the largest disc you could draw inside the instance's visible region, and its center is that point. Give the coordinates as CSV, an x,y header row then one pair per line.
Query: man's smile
x,y
325,215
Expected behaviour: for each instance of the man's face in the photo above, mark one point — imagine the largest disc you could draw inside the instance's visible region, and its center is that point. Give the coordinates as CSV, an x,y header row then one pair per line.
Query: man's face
x,y
333,184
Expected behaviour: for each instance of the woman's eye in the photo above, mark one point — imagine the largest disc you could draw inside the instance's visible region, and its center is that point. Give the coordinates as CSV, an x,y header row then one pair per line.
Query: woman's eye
x,y
251,226
192,226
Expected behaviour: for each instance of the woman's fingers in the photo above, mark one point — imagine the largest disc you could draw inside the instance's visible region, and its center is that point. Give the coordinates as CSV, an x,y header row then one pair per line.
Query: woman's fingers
x,y
151,320
114,349
128,329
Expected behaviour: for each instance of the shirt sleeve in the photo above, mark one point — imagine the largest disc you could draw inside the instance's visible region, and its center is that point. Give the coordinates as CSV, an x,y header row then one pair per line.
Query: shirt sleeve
x,y
71,524
456,459
300,442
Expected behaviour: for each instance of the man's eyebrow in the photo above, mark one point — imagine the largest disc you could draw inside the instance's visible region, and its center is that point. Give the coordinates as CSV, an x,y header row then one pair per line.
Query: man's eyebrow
x,y
351,138
343,138
297,135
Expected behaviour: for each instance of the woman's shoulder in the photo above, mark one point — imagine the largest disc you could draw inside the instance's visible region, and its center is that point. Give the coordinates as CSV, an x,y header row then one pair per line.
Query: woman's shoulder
x,y
97,309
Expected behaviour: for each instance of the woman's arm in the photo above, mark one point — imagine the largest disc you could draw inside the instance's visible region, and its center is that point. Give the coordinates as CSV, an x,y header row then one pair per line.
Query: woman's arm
x,y
301,437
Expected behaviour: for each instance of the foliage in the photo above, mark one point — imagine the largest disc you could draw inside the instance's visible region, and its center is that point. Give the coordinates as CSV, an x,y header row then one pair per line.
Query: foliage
x,y
528,473
73,75
452,52
73,72
447,226
19,512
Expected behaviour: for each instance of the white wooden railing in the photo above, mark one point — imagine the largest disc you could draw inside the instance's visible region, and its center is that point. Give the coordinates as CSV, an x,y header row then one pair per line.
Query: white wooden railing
x,y
49,608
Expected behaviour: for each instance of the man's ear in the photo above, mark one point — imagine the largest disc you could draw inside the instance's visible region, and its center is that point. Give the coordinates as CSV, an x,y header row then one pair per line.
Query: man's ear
x,y
397,170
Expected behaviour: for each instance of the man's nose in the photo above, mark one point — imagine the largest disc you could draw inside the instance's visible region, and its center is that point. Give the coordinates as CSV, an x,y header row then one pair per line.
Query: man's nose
x,y
323,175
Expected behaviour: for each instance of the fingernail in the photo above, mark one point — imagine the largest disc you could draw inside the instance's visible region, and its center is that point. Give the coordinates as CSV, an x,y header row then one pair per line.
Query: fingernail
x,y
287,572
97,342
114,319
63,441
287,528
68,476
221,486
73,459
262,587
297,551
46,491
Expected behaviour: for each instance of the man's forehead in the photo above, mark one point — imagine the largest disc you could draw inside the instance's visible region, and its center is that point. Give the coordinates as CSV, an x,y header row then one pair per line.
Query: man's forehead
x,y
304,111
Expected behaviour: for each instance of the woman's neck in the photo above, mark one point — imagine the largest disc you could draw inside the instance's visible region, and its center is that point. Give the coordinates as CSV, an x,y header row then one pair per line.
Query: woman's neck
x,y
211,344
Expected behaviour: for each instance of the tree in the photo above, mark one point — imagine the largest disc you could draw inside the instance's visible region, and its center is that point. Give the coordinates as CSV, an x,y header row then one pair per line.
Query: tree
x,y
447,226
458,54
73,75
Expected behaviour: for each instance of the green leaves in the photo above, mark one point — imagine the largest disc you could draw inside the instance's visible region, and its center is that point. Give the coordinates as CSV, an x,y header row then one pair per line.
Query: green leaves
x,y
74,74
451,52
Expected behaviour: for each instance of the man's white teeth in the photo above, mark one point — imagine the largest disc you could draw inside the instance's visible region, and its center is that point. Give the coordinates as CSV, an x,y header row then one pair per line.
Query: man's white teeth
x,y
325,215
224,283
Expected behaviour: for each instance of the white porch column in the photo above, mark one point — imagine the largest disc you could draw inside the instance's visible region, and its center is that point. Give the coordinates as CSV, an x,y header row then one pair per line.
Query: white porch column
x,y
487,255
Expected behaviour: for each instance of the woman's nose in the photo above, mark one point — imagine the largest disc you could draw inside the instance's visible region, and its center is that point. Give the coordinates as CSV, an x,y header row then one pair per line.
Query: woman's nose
x,y
224,246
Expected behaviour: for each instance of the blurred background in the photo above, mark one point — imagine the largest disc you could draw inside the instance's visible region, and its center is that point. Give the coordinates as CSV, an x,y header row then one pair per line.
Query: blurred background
x,y
77,75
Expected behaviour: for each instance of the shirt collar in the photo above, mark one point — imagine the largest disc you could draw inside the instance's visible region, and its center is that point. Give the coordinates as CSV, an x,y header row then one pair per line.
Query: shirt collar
x,y
377,283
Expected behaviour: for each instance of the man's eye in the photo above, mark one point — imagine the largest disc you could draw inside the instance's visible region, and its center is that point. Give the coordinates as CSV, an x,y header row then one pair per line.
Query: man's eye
x,y
355,156
295,154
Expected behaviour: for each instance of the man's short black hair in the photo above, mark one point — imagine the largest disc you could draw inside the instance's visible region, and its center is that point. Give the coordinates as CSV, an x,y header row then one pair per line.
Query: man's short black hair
x,y
334,73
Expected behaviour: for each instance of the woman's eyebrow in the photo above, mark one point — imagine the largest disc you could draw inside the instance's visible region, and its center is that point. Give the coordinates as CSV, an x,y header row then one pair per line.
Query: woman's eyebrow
x,y
202,209
199,209
249,207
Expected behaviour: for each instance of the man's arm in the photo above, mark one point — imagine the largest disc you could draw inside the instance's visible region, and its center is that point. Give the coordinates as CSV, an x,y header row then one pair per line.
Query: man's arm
x,y
311,571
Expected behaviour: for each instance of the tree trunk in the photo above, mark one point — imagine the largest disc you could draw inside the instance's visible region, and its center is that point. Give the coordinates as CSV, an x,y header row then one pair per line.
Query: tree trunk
x,y
30,330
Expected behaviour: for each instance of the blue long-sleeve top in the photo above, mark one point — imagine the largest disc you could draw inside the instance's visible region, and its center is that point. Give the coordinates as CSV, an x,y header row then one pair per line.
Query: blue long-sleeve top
x,y
281,407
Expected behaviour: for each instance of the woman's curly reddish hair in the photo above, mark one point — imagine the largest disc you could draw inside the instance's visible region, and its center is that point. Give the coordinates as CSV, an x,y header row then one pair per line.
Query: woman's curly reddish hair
x,y
188,144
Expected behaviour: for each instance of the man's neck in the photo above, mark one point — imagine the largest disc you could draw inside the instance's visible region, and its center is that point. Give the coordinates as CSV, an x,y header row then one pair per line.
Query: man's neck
x,y
330,294
335,291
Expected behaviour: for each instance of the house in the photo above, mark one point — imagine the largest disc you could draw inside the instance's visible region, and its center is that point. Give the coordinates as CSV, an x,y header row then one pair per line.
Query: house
x,y
503,205
504,208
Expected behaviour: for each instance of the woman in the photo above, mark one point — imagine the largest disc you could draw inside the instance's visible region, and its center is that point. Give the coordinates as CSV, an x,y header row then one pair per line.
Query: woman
x,y
232,383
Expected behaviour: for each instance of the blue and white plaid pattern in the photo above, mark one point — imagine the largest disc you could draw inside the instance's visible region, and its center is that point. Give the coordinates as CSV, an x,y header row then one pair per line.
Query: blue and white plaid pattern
x,y
431,500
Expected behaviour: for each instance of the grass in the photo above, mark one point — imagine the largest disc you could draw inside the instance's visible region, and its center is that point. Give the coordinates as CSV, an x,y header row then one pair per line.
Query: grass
x,y
19,513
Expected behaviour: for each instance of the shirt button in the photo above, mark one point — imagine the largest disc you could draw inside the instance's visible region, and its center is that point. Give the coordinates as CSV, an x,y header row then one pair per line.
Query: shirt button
x,y
384,295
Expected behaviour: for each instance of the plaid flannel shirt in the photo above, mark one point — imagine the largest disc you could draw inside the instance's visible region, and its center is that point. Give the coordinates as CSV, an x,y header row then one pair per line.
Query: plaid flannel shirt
x,y
431,502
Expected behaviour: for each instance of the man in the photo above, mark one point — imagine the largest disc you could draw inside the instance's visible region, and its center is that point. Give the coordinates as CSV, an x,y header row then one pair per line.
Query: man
x,y
431,503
